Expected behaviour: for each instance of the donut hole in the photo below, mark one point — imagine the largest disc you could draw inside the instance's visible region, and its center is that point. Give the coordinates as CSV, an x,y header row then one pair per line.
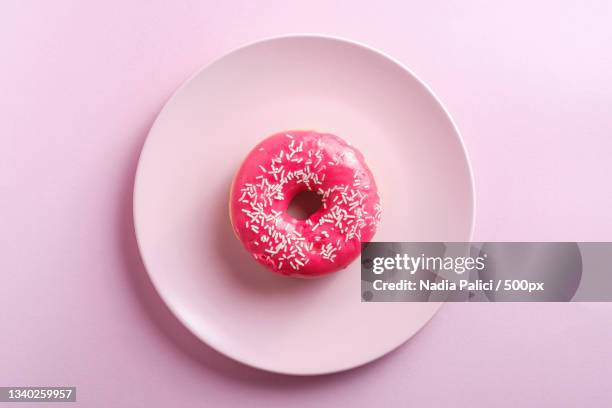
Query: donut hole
x,y
304,204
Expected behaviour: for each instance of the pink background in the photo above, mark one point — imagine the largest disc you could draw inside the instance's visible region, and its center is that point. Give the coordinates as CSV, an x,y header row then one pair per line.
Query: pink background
x,y
529,85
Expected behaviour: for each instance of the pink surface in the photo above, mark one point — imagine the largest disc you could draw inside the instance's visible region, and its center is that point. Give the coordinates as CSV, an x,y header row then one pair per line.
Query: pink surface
x,y
528,85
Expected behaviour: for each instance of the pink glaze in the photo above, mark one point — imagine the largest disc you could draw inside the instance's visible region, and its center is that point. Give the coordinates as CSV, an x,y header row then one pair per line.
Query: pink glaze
x,y
284,165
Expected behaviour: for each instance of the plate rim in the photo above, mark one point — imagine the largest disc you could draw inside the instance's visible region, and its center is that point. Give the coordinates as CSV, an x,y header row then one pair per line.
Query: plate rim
x,y
138,175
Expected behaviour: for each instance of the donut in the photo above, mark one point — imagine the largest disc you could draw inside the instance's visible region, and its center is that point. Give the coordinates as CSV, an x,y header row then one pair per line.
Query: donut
x,y
284,165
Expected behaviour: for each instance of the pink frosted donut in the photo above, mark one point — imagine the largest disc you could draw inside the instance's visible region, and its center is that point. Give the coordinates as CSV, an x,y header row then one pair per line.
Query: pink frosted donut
x,y
284,165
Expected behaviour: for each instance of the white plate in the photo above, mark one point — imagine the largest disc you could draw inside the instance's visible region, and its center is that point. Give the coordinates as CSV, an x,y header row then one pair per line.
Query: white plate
x,y
182,184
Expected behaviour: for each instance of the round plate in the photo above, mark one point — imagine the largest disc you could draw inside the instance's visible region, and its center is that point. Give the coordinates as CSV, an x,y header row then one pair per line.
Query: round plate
x,y
199,268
